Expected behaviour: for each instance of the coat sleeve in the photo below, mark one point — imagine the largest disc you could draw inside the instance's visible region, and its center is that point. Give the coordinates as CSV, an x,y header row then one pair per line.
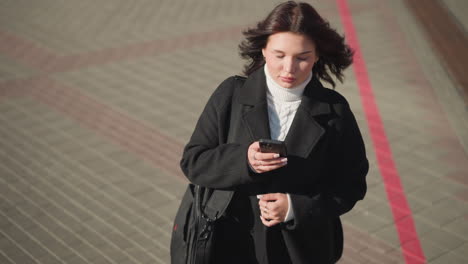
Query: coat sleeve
x,y
346,182
207,159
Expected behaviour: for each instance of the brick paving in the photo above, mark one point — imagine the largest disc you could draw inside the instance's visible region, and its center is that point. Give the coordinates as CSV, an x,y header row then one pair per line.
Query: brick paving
x,y
448,36
98,98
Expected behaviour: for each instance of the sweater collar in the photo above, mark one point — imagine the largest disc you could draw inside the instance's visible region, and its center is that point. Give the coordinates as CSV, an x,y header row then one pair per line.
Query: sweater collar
x,y
284,94
254,91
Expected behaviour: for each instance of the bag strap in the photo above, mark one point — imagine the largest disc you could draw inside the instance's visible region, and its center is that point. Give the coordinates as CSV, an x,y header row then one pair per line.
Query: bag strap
x,y
217,204
218,200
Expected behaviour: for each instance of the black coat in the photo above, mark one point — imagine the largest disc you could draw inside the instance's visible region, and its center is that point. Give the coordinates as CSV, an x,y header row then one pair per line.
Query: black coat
x,y
325,175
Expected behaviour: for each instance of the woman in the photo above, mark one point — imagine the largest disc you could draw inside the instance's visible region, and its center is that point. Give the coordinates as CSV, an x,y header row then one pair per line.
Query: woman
x,y
284,209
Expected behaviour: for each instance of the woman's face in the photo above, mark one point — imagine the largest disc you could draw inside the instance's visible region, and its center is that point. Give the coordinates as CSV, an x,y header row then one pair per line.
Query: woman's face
x,y
290,58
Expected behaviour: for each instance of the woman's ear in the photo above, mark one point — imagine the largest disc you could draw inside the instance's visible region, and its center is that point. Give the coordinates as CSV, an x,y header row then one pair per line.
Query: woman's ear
x,y
263,52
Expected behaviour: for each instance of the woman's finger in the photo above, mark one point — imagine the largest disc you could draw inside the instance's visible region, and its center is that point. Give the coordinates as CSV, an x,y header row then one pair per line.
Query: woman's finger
x,y
272,223
268,222
262,204
273,215
264,162
265,168
266,156
272,162
272,206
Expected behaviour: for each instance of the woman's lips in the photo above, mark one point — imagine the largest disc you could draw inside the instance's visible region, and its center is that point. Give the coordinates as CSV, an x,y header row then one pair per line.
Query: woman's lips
x,y
287,79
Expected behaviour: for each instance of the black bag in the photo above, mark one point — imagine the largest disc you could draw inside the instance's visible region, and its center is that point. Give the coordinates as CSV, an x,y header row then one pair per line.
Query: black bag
x,y
195,224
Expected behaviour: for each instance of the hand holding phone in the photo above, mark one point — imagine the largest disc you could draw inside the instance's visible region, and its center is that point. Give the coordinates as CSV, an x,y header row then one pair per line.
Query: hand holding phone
x,y
266,155
273,146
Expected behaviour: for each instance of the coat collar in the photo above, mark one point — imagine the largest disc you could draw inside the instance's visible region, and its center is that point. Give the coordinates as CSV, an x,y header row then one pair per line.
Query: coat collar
x,y
304,132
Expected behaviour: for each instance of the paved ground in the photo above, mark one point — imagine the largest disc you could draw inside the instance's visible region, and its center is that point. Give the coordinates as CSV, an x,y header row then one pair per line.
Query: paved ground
x,y
97,99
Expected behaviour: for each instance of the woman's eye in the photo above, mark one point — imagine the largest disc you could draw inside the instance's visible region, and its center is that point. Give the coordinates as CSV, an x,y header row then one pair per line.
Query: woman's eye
x,y
280,56
301,59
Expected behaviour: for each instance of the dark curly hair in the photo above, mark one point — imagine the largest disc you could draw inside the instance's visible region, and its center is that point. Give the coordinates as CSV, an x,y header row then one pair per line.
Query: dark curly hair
x,y
334,54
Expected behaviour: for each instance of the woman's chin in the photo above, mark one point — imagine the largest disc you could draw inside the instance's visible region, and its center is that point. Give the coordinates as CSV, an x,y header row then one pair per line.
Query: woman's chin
x,y
287,84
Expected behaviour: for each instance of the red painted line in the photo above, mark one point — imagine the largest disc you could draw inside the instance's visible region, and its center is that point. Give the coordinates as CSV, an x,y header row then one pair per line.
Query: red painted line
x,y
24,51
133,135
403,218
16,87
45,61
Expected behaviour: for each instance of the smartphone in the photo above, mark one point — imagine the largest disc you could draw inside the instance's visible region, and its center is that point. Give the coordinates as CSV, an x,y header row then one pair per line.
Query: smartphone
x,y
272,146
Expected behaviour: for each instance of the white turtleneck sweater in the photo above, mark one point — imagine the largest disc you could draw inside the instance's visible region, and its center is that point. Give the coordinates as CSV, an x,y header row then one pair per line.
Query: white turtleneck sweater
x,y
282,107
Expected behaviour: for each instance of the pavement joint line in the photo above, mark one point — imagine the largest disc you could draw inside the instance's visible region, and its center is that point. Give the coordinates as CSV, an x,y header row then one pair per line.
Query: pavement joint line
x,y
177,174
152,132
161,99
75,113
40,225
367,240
59,222
166,219
100,104
90,212
437,77
445,36
20,247
84,209
31,237
158,243
6,256
409,54
68,90
167,194
56,63
412,253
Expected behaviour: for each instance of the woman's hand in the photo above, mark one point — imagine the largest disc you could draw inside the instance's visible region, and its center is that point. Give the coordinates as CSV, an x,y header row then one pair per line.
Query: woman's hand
x,y
273,208
263,162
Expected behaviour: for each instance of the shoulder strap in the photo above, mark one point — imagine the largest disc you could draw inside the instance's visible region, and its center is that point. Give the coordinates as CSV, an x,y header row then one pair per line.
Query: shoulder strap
x,y
216,201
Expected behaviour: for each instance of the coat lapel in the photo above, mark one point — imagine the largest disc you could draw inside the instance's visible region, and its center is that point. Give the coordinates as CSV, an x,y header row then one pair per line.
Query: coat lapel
x,y
256,120
305,131
253,97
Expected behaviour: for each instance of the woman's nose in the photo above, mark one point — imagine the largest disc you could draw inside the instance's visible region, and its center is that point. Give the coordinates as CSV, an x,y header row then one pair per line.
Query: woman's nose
x,y
289,66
